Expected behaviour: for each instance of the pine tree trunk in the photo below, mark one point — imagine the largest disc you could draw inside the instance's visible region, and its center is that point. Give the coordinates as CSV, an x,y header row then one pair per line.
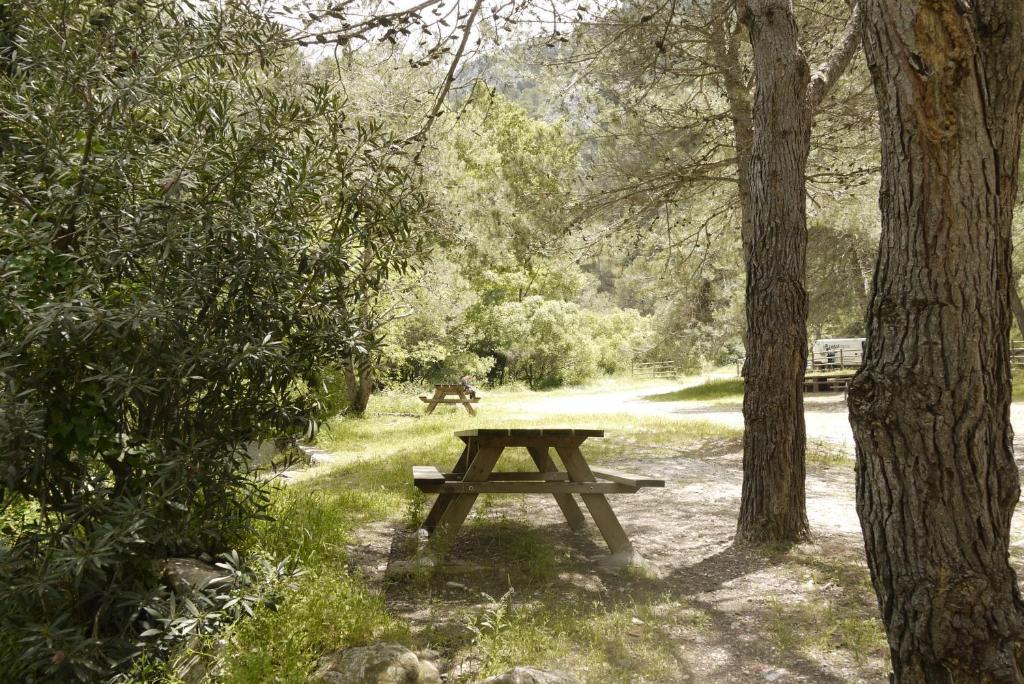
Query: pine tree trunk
x,y
773,506
936,479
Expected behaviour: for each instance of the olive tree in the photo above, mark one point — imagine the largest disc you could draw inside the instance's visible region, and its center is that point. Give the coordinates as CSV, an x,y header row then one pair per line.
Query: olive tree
x,y
182,202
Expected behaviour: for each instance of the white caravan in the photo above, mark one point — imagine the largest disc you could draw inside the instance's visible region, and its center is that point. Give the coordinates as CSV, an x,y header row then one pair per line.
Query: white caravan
x,y
837,353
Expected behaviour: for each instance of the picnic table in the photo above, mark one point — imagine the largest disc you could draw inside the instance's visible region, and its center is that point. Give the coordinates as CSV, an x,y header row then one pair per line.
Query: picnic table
x,y
826,383
441,394
474,474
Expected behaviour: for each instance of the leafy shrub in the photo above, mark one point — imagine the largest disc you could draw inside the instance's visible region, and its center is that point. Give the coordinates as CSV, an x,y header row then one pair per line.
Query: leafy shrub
x,y
181,201
550,342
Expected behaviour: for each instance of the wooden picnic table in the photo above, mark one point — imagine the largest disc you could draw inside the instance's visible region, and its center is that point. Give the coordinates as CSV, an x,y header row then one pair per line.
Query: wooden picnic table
x,y
819,382
474,474
441,394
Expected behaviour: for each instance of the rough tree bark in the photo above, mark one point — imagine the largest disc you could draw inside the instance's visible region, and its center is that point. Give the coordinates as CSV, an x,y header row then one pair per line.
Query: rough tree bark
x,y
773,506
936,479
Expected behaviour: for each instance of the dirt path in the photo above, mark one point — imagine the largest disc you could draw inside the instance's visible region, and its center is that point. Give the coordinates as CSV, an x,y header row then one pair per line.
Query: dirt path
x,y
719,614
703,610
825,415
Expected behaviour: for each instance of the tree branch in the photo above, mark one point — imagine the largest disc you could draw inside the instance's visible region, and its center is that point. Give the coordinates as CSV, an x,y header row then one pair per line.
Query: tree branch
x,y
449,78
826,75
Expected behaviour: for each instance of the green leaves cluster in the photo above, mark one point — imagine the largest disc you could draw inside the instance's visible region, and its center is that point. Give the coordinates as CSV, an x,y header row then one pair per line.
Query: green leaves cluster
x,y
184,207
507,296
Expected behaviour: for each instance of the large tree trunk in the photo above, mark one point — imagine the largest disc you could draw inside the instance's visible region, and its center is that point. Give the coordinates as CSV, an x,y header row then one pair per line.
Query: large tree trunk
x,y
936,479
773,507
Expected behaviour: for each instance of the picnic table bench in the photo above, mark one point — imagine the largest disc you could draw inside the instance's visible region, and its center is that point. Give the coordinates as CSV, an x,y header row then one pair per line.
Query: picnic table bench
x,y
827,383
474,474
441,394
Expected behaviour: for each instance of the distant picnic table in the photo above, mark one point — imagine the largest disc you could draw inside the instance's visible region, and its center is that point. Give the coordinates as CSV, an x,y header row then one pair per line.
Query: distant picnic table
x,y
823,382
474,474
441,394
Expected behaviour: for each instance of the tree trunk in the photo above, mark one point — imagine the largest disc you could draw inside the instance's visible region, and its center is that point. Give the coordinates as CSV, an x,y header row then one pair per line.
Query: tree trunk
x,y
358,381
773,506
936,479
725,50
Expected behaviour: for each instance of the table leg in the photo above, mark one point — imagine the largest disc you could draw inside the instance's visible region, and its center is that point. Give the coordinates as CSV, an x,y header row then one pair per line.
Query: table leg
x,y
571,511
466,403
433,401
442,500
600,510
458,508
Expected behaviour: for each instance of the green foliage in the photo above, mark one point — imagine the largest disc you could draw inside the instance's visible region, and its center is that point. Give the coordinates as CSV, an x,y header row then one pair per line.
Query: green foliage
x,y
327,609
506,297
840,260
549,343
184,211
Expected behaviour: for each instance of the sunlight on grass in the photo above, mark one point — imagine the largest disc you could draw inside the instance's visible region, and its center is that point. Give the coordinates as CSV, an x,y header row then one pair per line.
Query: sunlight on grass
x,y
821,626
326,610
844,620
314,519
1017,378
429,440
600,641
716,389
824,453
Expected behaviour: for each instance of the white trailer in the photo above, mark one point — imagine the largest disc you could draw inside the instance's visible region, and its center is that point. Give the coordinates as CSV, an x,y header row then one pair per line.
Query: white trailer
x,y
838,353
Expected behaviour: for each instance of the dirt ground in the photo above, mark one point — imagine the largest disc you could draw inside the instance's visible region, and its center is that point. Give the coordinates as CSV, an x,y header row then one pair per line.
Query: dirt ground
x,y
718,613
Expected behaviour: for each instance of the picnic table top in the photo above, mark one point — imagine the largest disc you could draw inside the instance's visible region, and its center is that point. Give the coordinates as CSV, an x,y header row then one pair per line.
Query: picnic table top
x,y
529,432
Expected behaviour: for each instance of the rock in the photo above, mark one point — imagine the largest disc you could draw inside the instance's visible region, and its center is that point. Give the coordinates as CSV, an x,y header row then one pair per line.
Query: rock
x,y
186,575
381,663
530,675
421,565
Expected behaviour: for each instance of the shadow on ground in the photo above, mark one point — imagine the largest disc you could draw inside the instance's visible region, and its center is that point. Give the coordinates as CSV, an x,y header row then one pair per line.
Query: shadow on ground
x,y
700,609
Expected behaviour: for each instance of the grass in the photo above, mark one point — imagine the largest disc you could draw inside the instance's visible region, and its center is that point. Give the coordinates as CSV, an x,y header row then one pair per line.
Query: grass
x,y
715,389
598,640
844,619
549,621
327,608
824,453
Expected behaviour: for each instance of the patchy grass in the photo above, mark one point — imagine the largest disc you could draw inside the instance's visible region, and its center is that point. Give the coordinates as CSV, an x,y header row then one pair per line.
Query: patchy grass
x,y
716,389
326,610
598,640
824,453
631,629
1017,378
402,439
841,616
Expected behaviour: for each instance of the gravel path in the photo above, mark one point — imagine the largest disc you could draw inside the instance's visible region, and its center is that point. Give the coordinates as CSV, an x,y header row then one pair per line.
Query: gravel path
x,y
825,415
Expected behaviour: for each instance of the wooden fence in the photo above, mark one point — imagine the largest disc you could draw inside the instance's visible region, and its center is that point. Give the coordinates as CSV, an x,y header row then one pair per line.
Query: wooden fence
x,y
654,369
838,359
1016,354
842,360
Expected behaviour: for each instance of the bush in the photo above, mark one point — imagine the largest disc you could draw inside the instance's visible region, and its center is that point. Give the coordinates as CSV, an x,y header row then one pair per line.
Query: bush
x,y
180,200
550,343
